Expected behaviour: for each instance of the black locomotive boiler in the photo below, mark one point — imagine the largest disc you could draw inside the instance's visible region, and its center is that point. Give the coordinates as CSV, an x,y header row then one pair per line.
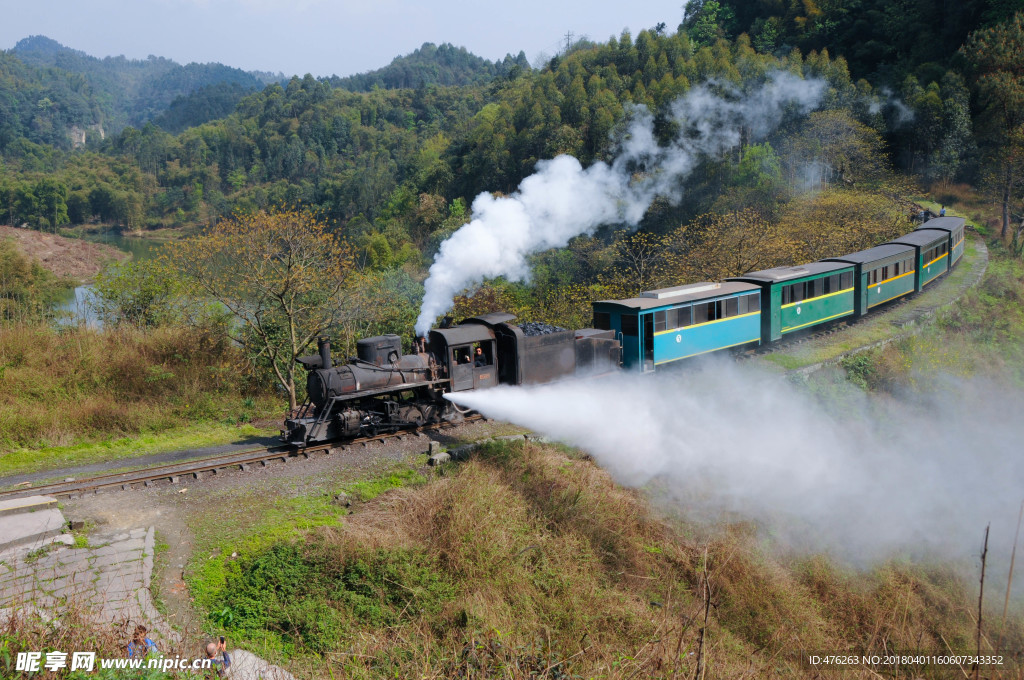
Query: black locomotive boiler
x,y
383,390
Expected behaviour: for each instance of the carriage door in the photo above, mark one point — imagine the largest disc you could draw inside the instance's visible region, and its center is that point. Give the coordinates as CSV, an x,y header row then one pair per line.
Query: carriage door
x,y
647,321
461,362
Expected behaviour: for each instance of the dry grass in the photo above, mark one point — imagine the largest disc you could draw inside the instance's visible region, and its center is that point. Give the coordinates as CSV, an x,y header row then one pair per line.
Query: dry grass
x,y
78,384
550,570
73,629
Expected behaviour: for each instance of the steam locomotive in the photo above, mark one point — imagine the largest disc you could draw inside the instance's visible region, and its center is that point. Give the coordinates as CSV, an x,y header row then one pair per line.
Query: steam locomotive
x,y
383,390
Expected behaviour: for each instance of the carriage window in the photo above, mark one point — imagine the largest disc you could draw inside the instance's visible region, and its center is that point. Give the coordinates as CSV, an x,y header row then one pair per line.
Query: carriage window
x,y
704,312
629,324
741,303
885,273
818,287
785,295
660,322
796,292
602,321
683,317
754,302
732,307
896,269
846,280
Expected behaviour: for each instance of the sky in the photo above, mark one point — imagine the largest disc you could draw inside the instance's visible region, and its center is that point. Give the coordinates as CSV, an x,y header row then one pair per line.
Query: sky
x,y
322,37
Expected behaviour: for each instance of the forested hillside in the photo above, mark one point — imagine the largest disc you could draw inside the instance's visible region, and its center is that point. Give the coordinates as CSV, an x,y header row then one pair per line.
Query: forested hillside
x,y
109,93
433,64
395,169
880,39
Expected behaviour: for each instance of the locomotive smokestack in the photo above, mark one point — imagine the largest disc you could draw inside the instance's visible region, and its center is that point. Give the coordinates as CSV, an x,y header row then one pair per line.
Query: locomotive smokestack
x,y
325,352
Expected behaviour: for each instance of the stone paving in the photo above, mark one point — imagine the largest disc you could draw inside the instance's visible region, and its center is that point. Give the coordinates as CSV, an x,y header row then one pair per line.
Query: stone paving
x,y
110,577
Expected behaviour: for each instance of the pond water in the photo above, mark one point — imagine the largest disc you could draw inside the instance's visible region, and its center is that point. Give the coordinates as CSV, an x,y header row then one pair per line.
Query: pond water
x,y
77,306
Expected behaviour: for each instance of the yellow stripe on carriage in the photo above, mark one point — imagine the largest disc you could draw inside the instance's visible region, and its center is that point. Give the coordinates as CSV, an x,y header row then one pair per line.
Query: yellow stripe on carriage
x,y
707,323
745,342
809,323
893,278
819,297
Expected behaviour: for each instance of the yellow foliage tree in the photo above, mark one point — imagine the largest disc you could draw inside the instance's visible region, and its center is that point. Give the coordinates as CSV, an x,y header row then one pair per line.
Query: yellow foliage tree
x,y
837,222
714,247
640,261
282,275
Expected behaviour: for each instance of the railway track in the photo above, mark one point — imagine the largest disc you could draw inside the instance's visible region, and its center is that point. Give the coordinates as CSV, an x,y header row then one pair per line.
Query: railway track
x,y
198,468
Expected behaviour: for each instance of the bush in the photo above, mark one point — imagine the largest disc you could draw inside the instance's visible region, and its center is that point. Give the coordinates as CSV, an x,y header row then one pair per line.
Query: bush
x,y
27,291
313,595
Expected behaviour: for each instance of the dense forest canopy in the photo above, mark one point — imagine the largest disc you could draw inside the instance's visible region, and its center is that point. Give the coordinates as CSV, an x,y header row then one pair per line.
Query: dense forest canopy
x,y
393,159
433,64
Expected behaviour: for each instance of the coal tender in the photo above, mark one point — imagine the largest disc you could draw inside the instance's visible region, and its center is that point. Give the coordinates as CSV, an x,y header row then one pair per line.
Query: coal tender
x,y
383,390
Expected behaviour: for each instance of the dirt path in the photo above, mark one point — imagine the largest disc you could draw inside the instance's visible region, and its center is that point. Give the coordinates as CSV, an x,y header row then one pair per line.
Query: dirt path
x,y
70,258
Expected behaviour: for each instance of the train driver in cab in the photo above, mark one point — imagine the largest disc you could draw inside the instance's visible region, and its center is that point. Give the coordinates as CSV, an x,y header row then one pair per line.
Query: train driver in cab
x,y
479,360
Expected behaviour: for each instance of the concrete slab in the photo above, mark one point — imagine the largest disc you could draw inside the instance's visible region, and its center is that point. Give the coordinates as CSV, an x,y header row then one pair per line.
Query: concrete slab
x,y
30,530
27,504
247,666
111,582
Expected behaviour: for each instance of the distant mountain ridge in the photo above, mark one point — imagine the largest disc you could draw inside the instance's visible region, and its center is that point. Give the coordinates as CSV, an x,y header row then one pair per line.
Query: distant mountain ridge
x,y
51,94
432,64
132,91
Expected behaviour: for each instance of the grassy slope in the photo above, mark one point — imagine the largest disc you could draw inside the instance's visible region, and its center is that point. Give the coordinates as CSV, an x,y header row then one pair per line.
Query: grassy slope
x,y
529,559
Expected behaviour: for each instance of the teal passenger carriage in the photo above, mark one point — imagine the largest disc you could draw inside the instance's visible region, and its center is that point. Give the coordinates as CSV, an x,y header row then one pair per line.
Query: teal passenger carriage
x,y
801,297
932,260
661,326
883,273
954,226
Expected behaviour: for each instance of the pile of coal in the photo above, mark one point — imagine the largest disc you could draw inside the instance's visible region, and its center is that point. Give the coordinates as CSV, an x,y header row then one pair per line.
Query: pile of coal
x,y
539,328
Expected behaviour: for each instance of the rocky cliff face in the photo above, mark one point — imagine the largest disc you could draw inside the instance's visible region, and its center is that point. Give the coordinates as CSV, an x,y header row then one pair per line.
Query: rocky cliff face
x,y
78,135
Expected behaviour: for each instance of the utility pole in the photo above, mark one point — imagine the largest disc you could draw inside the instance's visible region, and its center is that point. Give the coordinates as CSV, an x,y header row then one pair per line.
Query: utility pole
x,y
568,41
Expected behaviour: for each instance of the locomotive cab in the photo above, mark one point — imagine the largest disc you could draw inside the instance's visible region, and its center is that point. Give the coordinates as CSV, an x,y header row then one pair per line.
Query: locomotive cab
x,y
456,348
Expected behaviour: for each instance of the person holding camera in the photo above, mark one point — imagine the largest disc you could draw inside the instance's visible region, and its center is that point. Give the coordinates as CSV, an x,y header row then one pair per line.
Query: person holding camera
x,y
223,663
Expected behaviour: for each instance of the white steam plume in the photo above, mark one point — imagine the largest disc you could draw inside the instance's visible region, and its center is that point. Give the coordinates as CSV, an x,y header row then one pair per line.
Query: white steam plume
x,y
562,199
861,477
903,114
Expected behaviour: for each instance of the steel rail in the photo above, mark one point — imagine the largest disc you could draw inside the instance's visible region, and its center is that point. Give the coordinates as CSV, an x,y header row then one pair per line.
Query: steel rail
x,y
174,472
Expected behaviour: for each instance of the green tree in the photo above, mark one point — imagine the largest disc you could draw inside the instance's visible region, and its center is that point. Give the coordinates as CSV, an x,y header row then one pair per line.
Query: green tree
x,y
51,201
705,21
27,291
145,293
995,54
282,275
